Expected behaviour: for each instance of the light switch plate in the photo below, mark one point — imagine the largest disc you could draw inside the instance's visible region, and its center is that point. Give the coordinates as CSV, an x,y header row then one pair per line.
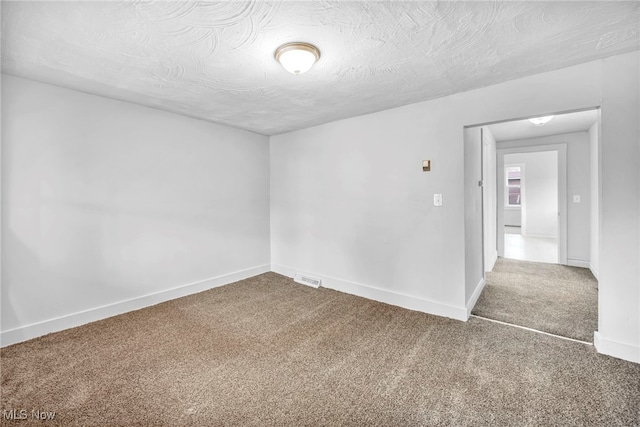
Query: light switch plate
x,y
576,198
437,200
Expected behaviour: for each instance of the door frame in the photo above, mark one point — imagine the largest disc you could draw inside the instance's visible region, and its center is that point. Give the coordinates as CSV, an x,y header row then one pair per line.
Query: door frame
x,y
562,193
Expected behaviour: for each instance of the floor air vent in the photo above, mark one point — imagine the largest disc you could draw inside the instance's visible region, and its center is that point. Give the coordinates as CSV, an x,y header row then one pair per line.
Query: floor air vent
x,y
306,280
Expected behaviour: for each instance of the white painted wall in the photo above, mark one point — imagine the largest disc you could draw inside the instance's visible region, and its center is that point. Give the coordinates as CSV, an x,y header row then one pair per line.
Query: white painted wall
x,y
351,205
473,221
490,199
1,196
578,183
105,202
619,284
512,216
540,201
594,183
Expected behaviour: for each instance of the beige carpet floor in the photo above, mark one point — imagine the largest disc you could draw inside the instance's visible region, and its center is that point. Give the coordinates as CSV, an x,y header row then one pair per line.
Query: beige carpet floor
x,y
267,351
551,298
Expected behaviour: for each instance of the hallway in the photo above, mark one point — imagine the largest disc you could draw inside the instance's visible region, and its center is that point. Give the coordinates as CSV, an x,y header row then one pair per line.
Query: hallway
x,y
554,299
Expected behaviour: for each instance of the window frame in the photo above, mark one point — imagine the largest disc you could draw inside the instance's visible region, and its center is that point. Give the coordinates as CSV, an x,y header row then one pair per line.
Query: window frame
x,y
507,186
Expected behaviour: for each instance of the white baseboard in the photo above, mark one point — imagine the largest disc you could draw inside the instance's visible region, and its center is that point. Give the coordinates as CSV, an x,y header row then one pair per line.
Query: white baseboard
x,y
578,263
72,320
594,271
617,349
474,296
492,261
382,295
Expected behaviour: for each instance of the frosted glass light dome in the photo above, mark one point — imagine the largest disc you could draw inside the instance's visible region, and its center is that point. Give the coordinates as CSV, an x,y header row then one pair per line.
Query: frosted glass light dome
x,y
297,58
541,121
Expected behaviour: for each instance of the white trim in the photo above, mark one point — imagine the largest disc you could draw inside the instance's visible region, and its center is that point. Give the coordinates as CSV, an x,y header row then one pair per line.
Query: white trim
x,y
512,147
72,320
492,261
578,263
594,270
382,295
617,349
474,296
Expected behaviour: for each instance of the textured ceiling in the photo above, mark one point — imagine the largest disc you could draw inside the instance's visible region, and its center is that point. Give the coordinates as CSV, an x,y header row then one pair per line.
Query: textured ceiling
x,y
561,123
214,61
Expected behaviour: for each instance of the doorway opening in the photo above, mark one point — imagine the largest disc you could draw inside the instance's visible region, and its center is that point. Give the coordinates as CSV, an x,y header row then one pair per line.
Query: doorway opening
x,y
531,205
539,207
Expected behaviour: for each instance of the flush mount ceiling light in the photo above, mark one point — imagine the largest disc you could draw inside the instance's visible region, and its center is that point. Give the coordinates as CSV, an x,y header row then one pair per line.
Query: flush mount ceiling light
x,y
297,57
541,121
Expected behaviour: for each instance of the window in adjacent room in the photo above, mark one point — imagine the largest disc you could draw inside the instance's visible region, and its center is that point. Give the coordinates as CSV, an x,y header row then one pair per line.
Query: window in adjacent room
x,y
513,175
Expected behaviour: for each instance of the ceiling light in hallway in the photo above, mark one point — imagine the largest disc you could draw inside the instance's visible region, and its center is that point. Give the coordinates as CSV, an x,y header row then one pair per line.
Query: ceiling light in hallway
x,y
541,121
